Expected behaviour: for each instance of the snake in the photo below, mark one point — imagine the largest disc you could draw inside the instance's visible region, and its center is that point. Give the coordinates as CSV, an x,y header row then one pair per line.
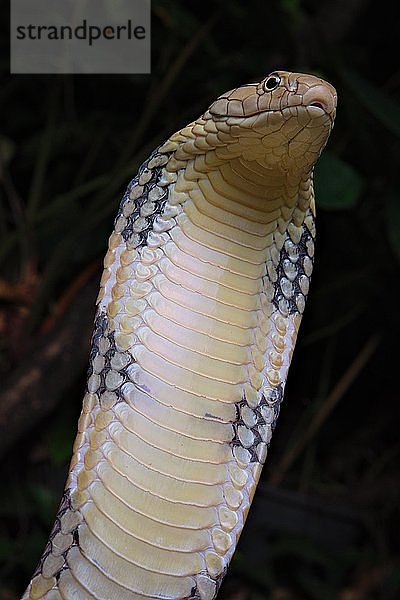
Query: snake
x,y
204,286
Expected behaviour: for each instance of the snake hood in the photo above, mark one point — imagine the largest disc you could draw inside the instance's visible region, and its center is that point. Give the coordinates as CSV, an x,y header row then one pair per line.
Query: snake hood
x,y
204,286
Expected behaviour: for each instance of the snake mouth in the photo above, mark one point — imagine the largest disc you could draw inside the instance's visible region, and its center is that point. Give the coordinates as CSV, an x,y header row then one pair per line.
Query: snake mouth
x,y
321,108
316,97
318,108
314,109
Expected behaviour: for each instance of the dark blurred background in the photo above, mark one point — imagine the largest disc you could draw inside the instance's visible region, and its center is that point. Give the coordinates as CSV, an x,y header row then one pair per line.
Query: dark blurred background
x,y
325,521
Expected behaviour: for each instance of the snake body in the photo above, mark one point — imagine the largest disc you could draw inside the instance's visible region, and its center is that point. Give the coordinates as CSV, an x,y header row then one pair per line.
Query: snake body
x,y
204,286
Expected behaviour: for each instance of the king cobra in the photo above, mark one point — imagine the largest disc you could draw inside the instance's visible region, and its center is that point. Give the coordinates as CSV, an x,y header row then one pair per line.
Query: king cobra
x,y
204,286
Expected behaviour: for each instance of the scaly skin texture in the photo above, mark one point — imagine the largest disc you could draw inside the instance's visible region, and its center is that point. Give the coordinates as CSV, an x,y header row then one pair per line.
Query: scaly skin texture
x,y
203,290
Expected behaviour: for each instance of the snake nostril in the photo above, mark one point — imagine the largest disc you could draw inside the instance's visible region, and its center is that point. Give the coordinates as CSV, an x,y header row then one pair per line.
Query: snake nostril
x,y
320,96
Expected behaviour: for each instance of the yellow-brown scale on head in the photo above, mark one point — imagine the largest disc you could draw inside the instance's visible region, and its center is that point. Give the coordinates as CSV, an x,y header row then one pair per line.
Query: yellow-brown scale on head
x,y
289,111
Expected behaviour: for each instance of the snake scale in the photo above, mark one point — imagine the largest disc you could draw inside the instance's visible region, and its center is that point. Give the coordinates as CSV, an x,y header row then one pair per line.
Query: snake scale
x,y
204,286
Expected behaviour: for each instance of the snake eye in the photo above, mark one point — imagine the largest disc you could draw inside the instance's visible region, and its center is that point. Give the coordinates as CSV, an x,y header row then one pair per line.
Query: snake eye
x,y
272,82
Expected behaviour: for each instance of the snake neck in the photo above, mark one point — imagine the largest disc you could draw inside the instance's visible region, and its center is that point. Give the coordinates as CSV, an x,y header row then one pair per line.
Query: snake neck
x,y
254,185
206,315
200,303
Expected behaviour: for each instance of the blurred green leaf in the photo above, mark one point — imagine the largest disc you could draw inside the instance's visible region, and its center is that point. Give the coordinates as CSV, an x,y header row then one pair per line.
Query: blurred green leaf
x,y
392,585
60,440
310,551
7,547
291,7
337,185
45,502
263,577
392,214
383,107
7,150
43,155
15,501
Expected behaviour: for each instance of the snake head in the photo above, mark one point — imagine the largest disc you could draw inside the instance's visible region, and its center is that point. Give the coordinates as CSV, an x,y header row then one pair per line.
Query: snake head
x,y
290,114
